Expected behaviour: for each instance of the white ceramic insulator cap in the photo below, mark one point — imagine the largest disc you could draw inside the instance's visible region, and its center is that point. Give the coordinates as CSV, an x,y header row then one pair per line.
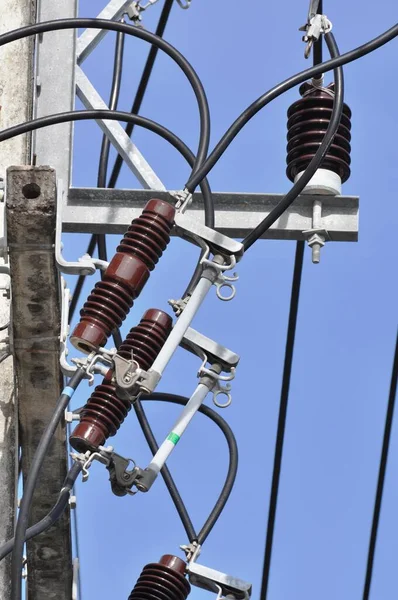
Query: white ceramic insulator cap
x,y
324,182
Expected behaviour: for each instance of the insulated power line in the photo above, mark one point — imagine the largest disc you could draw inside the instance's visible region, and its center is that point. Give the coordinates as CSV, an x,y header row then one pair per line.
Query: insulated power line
x,y
30,484
54,514
142,87
165,472
104,152
382,474
284,399
143,34
286,377
233,458
280,89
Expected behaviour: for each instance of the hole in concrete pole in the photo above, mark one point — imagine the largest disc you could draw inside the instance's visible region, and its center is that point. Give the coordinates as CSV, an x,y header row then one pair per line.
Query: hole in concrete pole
x,y
31,191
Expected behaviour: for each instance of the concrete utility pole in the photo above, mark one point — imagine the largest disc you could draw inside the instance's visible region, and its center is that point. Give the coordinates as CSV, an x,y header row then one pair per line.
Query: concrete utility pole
x,y
35,322
16,99
31,212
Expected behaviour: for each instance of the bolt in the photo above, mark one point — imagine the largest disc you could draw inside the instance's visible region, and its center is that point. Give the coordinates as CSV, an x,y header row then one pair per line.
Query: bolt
x,y
316,253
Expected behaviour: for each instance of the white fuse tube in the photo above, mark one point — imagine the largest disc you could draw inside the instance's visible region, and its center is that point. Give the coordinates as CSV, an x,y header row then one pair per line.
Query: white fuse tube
x,y
178,429
184,321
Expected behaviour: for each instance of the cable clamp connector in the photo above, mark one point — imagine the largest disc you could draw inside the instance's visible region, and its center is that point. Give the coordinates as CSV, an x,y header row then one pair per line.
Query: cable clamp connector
x,y
135,9
183,200
130,380
315,26
179,306
225,586
92,363
103,455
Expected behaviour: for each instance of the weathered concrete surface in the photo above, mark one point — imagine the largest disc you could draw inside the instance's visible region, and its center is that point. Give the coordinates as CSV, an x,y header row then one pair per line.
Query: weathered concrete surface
x,y
36,325
15,106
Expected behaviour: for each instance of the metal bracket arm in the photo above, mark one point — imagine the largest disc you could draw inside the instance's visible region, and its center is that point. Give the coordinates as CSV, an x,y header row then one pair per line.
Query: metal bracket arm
x,y
218,582
85,265
199,344
189,228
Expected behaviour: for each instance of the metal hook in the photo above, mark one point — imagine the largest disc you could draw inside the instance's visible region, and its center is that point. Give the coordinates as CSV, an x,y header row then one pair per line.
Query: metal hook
x,y
225,391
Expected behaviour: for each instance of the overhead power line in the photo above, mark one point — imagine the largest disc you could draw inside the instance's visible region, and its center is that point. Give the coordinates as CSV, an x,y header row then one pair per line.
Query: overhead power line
x,y
382,474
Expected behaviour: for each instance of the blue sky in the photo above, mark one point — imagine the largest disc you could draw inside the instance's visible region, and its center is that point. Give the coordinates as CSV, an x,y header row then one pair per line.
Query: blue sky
x,y
346,329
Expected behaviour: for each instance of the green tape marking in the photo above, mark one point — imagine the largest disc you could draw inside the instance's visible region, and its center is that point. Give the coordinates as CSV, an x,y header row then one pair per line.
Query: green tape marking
x,y
173,438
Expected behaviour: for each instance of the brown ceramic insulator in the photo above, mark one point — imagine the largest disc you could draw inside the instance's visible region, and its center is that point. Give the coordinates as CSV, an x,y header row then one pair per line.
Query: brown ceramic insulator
x,y
105,411
308,120
164,580
111,299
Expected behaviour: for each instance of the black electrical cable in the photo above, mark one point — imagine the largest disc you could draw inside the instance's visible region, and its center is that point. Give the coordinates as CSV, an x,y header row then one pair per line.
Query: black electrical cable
x,y
316,161
279,89
143,34
318,46
54,514
30,484
6,326
233,458
113,102
121,116
382,473
104,153
287,372
142,87
165,472
112,115
284,399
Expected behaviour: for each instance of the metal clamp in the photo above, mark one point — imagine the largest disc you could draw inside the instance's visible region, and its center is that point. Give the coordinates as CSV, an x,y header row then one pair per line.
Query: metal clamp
x,y
91,363
225,586
130,380
135,9
185,4
86,459
122,479
315,26
183,199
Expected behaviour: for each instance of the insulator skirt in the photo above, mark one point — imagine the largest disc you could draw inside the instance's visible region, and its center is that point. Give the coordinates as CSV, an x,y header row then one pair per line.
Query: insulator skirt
x,y
164,580
137,254
308,120
104,412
